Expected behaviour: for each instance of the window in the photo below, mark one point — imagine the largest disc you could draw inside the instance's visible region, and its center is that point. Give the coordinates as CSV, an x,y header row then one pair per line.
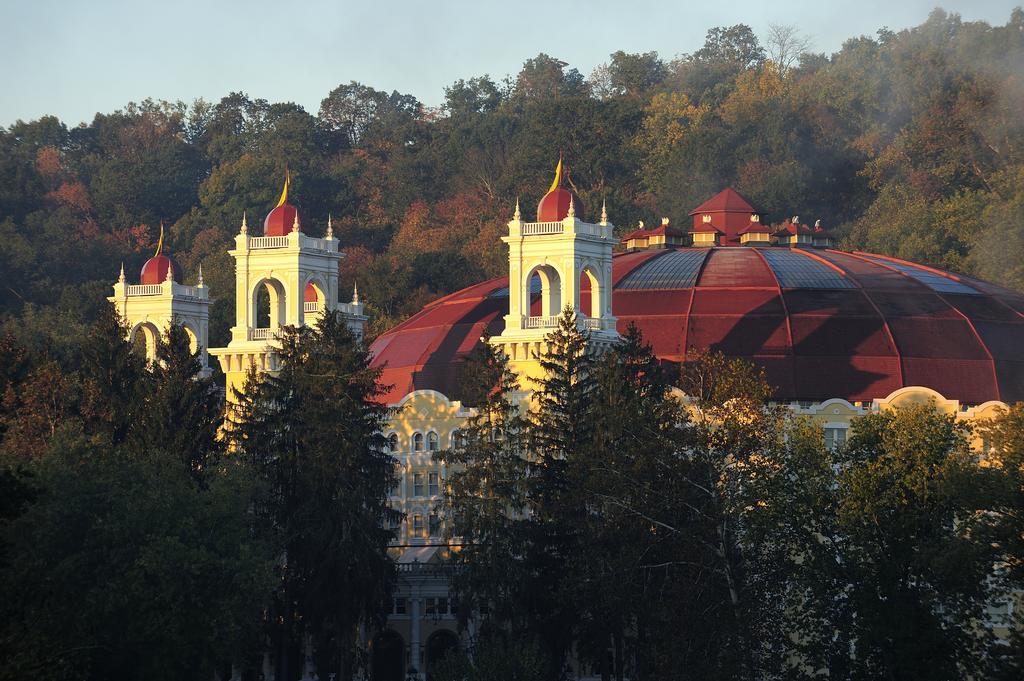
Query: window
x,y
435,606
432,442
458,439
417,442
398,606
433,486
834,437
417,484
393,442
434,525
417,525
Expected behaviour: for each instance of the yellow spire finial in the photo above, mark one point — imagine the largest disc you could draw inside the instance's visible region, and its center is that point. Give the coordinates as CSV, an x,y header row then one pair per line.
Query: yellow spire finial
x,y
558,174
284,192
160,243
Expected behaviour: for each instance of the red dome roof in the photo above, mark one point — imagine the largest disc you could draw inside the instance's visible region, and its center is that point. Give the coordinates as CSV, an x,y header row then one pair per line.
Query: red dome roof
x,y
155,270
821,323
554,207
279,222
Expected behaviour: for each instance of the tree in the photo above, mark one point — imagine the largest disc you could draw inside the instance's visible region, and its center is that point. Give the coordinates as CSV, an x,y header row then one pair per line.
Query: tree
x,y
182,413
785,45
313,433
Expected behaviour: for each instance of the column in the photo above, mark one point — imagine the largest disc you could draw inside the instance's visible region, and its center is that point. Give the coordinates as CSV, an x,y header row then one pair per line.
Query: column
x,y
414,633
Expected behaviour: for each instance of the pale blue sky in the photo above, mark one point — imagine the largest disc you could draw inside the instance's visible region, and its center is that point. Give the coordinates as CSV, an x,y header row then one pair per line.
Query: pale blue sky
x,y
73,58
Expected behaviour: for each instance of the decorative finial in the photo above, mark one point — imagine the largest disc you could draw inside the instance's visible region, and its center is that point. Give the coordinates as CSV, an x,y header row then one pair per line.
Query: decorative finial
x,y
517,215
795,220
170,272
284,192
754,217
817,224
245,225
160,243
705,218
200,275
572,207
640,225
664,221
604,211
295,222
120,277
355,293
330,227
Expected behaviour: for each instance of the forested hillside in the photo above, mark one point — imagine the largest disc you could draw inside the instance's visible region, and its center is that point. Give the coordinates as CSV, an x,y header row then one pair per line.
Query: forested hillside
x,y
906,143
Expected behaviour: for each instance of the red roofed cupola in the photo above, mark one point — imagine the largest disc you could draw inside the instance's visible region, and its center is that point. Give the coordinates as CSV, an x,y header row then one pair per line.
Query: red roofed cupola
x,y
727,212
285,217
554,207
156,268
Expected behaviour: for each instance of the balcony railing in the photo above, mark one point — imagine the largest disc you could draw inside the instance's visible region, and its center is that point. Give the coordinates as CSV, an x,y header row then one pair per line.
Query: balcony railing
x,y
259,242
260,334
145,289
530,228
540,322
317,244
311,307
583,322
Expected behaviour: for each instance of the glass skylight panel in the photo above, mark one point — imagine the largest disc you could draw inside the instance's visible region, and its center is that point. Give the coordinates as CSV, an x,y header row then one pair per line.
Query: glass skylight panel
x,y
794,269
674,269
935,282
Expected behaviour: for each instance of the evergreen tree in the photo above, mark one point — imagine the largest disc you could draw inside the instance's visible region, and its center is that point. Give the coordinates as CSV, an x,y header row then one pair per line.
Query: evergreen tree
x,y
313,431
182,413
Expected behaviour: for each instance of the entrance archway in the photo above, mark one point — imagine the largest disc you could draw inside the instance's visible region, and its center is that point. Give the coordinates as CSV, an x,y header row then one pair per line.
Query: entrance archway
x,y
440,645
387,660
143,339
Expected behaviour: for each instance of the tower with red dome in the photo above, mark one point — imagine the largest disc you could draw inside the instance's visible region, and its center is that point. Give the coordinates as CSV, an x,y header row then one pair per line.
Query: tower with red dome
x,y
283,277
161,299
556,262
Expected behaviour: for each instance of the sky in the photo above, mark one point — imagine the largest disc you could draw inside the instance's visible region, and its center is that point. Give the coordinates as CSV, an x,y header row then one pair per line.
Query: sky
x,y
73,58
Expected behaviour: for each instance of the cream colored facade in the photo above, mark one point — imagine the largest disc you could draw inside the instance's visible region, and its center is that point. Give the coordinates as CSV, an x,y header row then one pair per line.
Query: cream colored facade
x,y
559,254
283,267
149,309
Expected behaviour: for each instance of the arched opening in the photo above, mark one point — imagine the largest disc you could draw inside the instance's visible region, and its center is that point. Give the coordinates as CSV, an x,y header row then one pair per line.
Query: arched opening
x,y
393,442
143,339
590,294
312,298
432,441
546,279
417,442
440,645
387,659
268,304
193,340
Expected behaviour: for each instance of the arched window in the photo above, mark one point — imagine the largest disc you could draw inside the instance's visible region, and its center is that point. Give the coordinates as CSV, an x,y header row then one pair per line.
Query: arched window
x,y
432,442
393,442
457,439
263,308
417,442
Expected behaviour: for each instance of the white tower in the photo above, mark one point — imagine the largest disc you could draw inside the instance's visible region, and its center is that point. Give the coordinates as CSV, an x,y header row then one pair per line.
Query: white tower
x,y
159,300
568,262
283,278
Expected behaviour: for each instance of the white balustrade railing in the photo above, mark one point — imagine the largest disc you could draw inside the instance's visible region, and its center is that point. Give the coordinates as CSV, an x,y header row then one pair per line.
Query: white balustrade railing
x,y
531,228
260,334
191,291
145,289
540,322
311,307
318,244
259,242
589,323
603,231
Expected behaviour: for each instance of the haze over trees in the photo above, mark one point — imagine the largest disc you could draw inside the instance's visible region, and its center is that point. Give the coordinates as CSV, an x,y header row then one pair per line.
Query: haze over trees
x,y
906,143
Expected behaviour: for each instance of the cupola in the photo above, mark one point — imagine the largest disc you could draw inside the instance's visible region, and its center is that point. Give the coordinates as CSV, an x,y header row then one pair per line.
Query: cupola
x,y
557,203
155,269
285,217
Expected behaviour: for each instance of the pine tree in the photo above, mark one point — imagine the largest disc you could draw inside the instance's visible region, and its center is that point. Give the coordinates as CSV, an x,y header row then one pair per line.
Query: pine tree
x,y
182,413
313,430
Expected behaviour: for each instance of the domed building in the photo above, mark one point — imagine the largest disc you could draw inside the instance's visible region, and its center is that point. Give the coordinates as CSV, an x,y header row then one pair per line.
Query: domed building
x,y
838,334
